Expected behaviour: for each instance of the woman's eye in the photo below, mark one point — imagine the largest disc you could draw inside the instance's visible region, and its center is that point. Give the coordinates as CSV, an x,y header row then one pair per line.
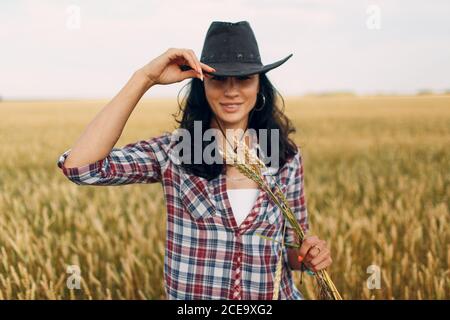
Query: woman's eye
x,y
243,78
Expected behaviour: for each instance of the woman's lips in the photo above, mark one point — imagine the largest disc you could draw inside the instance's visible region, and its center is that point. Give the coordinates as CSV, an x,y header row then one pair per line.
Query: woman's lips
x,y
231,107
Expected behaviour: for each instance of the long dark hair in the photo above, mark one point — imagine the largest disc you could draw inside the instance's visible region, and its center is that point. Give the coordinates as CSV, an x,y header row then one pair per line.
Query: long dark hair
x,y
196,108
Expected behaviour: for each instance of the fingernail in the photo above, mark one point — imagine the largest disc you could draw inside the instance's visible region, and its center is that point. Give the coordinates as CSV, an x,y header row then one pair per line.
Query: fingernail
x,y
300,258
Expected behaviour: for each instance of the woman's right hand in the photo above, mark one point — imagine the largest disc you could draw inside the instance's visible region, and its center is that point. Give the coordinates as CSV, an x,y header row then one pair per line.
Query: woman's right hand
x,y
165,69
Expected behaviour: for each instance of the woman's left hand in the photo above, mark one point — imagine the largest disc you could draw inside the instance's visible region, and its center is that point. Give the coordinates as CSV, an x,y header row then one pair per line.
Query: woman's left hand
x,y
314,253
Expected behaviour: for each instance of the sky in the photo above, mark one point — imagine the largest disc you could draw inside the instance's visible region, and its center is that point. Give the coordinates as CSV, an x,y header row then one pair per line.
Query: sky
x,y
85,49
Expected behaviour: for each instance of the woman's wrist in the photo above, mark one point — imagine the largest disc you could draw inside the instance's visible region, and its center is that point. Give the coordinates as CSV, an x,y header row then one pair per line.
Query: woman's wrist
x,y
142,77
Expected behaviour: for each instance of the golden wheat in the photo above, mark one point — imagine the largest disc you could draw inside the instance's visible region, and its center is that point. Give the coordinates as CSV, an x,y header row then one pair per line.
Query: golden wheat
x,y
377,186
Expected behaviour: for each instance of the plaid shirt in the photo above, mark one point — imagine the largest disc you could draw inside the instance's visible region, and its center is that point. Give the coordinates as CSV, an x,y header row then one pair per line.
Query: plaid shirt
x,y
208,256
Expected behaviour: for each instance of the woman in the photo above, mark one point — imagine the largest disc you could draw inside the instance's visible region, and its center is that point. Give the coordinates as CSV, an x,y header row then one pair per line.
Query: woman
x,y
214,213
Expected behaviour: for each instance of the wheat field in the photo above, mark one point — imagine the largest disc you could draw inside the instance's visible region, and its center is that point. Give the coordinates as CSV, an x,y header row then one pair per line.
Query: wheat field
x,y
377,184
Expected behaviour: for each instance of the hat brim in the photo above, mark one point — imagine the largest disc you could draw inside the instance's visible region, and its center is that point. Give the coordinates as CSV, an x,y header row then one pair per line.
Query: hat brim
x,y
242,69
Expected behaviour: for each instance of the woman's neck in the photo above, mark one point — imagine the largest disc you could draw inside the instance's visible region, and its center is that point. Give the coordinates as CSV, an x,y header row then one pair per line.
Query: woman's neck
x,y
238,131
229,126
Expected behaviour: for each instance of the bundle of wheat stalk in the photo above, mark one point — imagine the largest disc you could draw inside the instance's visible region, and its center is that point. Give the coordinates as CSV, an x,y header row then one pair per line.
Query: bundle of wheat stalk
x,y
252,167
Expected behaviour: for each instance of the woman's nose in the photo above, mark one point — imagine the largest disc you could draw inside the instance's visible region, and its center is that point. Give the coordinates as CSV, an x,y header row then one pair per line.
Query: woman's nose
x,y
231,86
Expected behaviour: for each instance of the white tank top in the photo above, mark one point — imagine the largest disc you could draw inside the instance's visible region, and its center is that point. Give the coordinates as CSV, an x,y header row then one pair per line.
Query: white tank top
x,y
242,201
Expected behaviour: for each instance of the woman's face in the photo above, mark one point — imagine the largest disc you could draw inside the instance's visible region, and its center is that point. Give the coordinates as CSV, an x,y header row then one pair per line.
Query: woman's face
x,y
232,98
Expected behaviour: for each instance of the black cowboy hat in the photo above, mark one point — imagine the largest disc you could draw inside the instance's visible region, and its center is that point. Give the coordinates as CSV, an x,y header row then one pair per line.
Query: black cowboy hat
x,y
232,49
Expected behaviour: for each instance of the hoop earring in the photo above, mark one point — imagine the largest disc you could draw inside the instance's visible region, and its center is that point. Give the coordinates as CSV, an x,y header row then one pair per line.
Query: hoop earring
x,y
263,104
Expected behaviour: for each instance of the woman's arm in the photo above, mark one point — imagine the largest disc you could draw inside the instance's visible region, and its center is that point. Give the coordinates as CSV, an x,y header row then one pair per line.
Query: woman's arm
x,y
297,201
106,128
293,254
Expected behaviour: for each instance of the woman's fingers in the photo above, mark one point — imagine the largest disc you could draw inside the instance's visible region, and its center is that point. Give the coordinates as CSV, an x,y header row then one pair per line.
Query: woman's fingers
x,y
322,265
194,63
307,244
315,253
198,68
201,65
324,255
316,260
315,250
208,68
188,57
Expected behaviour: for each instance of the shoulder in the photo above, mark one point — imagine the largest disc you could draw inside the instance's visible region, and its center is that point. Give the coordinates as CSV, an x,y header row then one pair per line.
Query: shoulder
x,y
295,161
163,139
294,166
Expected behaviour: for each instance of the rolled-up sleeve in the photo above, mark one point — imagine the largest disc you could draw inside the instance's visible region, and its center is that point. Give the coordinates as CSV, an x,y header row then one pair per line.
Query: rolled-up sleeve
x,y
138,162
296,198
